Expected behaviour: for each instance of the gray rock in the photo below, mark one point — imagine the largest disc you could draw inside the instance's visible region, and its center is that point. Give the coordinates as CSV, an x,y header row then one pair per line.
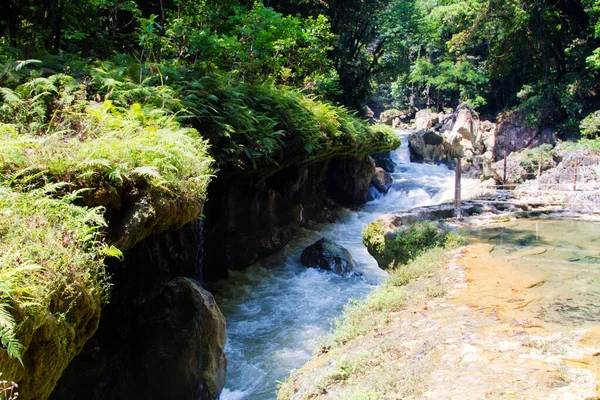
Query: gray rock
x,y
430,147
328,255
384,160
382,180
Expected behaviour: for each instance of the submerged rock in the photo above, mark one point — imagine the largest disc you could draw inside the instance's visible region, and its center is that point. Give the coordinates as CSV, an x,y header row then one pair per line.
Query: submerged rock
x,y
328,255
382,180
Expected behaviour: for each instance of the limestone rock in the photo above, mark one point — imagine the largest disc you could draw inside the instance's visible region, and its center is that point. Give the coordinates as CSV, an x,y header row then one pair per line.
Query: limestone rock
x,y
513,134
396,118
426,119
382,180
428,146
328,255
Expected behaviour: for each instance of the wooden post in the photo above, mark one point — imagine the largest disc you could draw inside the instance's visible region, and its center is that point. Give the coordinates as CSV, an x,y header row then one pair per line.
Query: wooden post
x,y
539,171
575,176
504,181
457,188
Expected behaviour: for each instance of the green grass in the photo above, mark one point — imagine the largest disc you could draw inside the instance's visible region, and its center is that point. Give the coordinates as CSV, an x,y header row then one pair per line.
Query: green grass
x,y
360,317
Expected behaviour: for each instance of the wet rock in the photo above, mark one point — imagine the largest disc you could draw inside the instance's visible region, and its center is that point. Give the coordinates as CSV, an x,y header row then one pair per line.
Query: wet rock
x,y
349,180
382,180
328,255
384,160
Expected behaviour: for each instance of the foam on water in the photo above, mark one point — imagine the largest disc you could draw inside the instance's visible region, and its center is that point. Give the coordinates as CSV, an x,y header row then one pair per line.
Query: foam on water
x,y
277,310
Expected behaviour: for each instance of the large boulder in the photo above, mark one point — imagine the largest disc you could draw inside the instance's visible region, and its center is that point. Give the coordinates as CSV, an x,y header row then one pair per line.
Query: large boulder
x,y
161,335
183,338
431,147
328,255
382,181
514,134
426,119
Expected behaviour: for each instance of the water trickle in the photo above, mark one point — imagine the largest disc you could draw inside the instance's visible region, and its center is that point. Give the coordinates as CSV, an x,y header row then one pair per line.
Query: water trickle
x,y
278,310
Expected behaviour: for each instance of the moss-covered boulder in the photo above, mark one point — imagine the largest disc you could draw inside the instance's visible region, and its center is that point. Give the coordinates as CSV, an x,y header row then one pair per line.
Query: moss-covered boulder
x,y
404,244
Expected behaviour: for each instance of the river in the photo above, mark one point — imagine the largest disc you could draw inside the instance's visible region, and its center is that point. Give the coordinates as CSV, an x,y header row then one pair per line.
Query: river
x,y
277,311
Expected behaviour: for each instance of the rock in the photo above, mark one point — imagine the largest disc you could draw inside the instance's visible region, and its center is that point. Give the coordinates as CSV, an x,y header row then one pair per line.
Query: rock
x,y
328,255
161,335
250,217
382,180
426,119
184,330
465,125
51,345
400,245
384,160
514,134
349,180
381,236
430,147
396,118
523,165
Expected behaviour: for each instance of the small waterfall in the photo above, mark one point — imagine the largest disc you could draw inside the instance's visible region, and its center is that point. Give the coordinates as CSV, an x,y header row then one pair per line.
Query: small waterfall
x,y
277,310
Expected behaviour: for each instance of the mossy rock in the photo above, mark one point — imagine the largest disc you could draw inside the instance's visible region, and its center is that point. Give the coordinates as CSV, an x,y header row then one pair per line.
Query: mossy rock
x,y
402,245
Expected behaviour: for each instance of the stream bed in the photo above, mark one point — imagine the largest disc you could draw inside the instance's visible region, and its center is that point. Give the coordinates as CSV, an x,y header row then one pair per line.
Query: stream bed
x,y
277,310
561,259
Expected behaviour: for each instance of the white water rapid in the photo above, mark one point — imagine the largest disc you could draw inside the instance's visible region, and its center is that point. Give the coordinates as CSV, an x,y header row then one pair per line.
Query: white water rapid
x,y
277,310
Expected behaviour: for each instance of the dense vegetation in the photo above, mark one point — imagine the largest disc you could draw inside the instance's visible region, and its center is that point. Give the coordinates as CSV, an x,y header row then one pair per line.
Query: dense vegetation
x,y
122,111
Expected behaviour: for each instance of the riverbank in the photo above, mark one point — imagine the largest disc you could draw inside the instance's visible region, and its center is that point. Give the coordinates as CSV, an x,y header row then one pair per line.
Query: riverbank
x,y
458,330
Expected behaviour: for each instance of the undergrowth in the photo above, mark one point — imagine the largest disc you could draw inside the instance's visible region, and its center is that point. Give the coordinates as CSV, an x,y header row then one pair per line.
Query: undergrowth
x,y
51,251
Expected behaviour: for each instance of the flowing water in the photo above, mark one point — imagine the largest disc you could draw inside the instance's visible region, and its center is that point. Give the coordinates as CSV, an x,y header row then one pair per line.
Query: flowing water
x,y
277,310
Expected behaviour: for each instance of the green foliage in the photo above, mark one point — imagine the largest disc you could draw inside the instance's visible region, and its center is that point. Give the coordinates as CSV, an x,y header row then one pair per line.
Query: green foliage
x,y
409,242
590,126
49,249
415,239
530,158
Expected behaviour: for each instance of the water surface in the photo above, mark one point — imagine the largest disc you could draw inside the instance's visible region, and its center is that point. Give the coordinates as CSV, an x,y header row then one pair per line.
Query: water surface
x,y
562,260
